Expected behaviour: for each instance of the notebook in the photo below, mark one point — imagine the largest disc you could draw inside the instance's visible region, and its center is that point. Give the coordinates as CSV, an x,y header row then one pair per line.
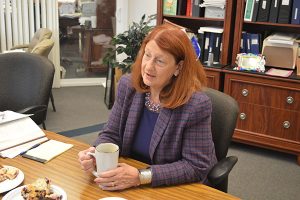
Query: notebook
x,y
47,151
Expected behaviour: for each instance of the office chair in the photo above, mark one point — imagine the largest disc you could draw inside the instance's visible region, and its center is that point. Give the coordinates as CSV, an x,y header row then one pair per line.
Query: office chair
x,y
224,116
40,44
25,84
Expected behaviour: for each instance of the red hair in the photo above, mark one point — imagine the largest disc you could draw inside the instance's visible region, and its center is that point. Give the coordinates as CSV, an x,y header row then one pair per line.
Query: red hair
x,y
191,77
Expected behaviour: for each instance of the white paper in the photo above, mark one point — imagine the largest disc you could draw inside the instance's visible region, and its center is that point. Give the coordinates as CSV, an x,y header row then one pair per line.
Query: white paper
x,y
8,116
15,151
15,131
210,29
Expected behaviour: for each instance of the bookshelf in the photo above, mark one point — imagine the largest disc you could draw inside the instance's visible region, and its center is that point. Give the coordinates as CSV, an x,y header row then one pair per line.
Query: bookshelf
x,y
269,106
214,73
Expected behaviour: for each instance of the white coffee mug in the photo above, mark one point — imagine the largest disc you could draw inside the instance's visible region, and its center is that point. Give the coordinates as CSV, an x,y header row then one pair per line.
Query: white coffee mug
x,y
106,156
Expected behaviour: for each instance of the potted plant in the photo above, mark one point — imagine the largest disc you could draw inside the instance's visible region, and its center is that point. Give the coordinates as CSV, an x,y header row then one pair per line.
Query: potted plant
x,y
128,43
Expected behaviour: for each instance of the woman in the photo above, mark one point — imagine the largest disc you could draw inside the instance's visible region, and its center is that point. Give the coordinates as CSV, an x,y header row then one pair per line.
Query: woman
x,y
160,117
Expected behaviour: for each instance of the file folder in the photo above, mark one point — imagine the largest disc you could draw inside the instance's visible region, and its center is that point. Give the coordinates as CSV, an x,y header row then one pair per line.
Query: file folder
x,y
263,10
285,10
243,46
248,42
255,11
201,41
254,43
217,47
249,10
181,7
206,46
296,13
196,10
274,10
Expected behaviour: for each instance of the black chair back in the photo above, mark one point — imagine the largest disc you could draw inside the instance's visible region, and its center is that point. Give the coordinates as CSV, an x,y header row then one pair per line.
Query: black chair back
x,y
25,84
224,116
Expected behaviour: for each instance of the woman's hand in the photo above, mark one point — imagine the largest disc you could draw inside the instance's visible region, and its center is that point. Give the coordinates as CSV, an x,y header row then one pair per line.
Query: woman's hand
x,y
86,161
124,176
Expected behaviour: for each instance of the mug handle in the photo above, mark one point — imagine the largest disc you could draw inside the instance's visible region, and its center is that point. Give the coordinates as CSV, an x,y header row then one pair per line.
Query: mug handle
x,y
94,155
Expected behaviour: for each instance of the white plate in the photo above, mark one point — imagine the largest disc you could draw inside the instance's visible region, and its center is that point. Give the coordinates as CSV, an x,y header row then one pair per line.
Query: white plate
x,y
16,193
11,184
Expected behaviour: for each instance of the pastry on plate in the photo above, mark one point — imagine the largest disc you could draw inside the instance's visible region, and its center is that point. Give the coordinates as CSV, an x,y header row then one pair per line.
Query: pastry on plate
x,y
9,173
39,190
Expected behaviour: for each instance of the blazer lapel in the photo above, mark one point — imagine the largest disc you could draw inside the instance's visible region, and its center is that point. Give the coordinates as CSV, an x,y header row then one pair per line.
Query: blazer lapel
x,y
132,122
159,129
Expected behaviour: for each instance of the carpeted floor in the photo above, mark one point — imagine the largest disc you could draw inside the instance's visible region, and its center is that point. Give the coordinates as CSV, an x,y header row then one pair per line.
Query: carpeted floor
x,y
259,174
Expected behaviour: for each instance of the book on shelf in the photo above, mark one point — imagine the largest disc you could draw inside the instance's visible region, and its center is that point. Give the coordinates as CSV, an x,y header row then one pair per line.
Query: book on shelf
x,y
211,43
296,13
263,11
255,11
181,7
196,10
170,7
255,43
188,8
249,10
285,11
274,10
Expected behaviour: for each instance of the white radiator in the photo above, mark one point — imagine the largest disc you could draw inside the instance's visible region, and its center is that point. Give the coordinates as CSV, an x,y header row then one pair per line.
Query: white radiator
x,y
19,20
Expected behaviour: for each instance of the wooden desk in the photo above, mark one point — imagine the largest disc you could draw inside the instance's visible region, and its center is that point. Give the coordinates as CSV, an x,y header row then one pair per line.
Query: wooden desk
x,y
65,172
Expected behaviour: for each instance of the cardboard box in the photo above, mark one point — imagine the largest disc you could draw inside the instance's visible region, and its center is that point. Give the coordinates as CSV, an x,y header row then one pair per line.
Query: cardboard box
x,y
280,55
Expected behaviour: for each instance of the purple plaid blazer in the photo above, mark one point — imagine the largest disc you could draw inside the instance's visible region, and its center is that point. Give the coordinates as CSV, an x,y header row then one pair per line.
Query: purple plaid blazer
x,y
181,147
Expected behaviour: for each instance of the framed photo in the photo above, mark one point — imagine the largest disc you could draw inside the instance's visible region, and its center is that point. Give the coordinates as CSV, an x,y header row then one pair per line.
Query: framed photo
x,y
109,89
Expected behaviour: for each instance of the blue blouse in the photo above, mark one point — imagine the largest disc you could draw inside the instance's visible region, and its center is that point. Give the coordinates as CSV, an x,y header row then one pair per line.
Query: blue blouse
x,y
141,142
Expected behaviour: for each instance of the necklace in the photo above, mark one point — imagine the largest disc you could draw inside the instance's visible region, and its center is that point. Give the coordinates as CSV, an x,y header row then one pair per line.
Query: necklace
x,y
154,107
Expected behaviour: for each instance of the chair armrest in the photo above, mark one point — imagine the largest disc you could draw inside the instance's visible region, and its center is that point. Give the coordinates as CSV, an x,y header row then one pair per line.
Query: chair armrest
x,y
33,109
21,46
220,171
39,113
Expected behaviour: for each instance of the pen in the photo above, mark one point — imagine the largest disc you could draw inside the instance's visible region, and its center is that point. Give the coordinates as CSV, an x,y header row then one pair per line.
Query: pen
x,y
34,146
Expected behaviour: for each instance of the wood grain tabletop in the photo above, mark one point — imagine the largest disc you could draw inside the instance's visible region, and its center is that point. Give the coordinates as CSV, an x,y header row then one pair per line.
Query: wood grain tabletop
x,y
65,172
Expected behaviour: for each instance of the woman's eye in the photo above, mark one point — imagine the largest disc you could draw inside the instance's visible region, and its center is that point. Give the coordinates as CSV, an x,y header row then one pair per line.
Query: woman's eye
x,y
147,55
160,62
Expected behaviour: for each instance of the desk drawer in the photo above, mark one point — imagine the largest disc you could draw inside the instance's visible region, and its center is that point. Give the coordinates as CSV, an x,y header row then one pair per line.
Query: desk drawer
x,y
269,121
261,92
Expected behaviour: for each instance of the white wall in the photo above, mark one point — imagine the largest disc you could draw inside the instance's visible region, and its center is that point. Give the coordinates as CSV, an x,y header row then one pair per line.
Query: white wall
x,y
137,8
128,11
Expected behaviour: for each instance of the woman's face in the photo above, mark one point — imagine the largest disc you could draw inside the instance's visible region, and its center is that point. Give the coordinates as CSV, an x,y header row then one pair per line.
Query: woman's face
x,y
158,66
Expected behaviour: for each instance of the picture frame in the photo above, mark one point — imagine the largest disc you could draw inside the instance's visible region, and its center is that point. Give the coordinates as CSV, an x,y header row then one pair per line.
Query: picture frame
x,y
109,87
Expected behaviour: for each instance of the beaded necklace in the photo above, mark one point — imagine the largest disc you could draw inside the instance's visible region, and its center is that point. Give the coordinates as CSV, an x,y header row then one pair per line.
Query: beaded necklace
x,y
154,107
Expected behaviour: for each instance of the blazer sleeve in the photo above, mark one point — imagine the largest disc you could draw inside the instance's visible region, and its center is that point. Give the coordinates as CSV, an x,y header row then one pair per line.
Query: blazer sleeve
x,y
111,131
197,150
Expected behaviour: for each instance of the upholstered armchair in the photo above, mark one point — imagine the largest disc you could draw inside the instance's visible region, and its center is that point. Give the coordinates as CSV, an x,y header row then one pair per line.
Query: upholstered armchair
x,y
40,35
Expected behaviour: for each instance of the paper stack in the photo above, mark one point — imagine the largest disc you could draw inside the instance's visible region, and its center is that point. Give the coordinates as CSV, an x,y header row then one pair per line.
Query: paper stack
x,y
214,8
18,133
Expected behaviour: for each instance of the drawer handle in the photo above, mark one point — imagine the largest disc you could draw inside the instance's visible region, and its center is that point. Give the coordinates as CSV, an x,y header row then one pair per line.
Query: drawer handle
x,y
242,116
245,92
286,124
289,100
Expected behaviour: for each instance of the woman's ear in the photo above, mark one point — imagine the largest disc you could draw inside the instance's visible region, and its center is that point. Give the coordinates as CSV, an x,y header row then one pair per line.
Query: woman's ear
x,y
178,68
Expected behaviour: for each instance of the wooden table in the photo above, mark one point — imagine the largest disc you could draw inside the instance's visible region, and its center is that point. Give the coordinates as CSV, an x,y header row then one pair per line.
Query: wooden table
x,y
65,172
